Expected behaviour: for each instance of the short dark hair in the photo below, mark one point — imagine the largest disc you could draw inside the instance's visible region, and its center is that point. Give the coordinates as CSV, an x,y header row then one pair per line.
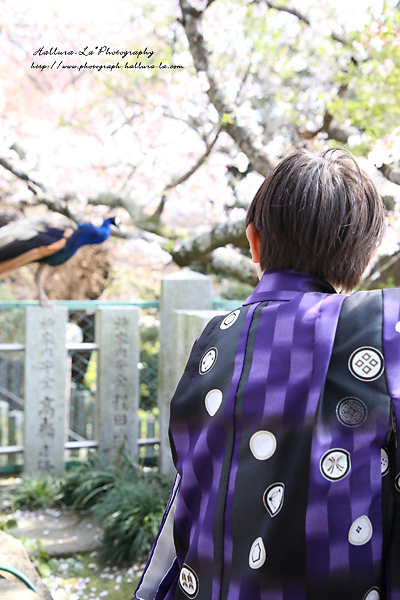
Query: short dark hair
x,y
320,214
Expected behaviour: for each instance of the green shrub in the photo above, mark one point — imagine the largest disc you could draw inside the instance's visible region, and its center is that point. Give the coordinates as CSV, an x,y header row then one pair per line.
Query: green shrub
x,y
130,517
128,501
34,493
83,486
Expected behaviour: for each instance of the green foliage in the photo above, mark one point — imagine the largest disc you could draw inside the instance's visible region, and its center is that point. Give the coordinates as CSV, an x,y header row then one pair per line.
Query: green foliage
x,y
226,119
130,515
291,67
129,502
149,349
389,283
9,526
86,484
232,289
39,555
12,322
34,493
372,99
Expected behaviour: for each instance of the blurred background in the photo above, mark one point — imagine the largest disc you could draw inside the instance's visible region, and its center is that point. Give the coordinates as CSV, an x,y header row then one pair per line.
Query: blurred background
x,y
167,114
178,152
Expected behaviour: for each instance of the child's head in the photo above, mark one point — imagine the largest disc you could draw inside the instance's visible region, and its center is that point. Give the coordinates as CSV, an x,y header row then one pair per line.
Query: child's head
x,y
320,214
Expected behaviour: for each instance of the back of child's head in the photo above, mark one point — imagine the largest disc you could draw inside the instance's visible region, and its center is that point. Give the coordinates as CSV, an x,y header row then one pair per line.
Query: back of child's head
x,y
320,214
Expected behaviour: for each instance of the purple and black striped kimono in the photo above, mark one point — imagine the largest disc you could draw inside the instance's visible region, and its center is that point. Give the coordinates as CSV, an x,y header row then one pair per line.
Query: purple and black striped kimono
x,y
283,433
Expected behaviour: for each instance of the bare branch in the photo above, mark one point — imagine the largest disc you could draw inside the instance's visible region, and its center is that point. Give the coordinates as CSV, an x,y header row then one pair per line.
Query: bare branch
x,y
195,123
333,129
62,205
302,17
385,269
131,205
245,139
42,193
18,172
129,233
181,178
57,205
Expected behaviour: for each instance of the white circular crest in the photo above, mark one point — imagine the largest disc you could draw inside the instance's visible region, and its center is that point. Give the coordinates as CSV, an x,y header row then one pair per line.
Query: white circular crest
x,y
273,498
257,554
397,482
372,594
361,531
384,462
262,444
335,464
366,363
397,327
213,401
230,319
188,582
208,360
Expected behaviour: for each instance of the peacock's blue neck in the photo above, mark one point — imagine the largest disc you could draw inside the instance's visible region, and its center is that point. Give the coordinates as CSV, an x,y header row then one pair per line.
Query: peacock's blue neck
x,y
86,234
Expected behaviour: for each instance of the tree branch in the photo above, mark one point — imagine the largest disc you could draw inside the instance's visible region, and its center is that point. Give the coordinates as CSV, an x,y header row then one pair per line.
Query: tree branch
x,y
129,233
229,262
42,193
243,137
385,271
181,178
302,17
199,246
130,204
58,205
18,172
391,172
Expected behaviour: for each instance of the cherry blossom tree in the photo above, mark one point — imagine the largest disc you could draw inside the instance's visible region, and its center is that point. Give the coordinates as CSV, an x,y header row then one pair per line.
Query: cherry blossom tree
x,y
171,113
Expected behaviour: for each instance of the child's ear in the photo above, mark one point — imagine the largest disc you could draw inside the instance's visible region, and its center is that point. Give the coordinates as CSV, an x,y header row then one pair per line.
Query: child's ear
x,y
254,242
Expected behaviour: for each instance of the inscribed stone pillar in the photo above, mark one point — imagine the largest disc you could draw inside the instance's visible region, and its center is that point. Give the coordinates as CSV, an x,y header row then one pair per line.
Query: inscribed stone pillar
x,y
45,376
182,290
188,325
117,379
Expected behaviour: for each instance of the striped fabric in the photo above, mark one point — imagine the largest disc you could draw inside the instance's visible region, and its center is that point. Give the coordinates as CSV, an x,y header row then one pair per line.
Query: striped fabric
x,y
282,434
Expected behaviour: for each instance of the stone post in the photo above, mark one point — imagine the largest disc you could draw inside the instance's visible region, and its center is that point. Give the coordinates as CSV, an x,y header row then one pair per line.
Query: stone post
x,y
182,290
45,376
188,325
117,336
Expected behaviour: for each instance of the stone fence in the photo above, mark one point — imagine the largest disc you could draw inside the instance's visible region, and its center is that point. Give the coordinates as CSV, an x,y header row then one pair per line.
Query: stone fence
x,y
185,309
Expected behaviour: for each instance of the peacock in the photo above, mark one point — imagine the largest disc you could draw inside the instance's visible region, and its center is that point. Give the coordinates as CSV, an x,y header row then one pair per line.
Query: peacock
x,y
50,240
